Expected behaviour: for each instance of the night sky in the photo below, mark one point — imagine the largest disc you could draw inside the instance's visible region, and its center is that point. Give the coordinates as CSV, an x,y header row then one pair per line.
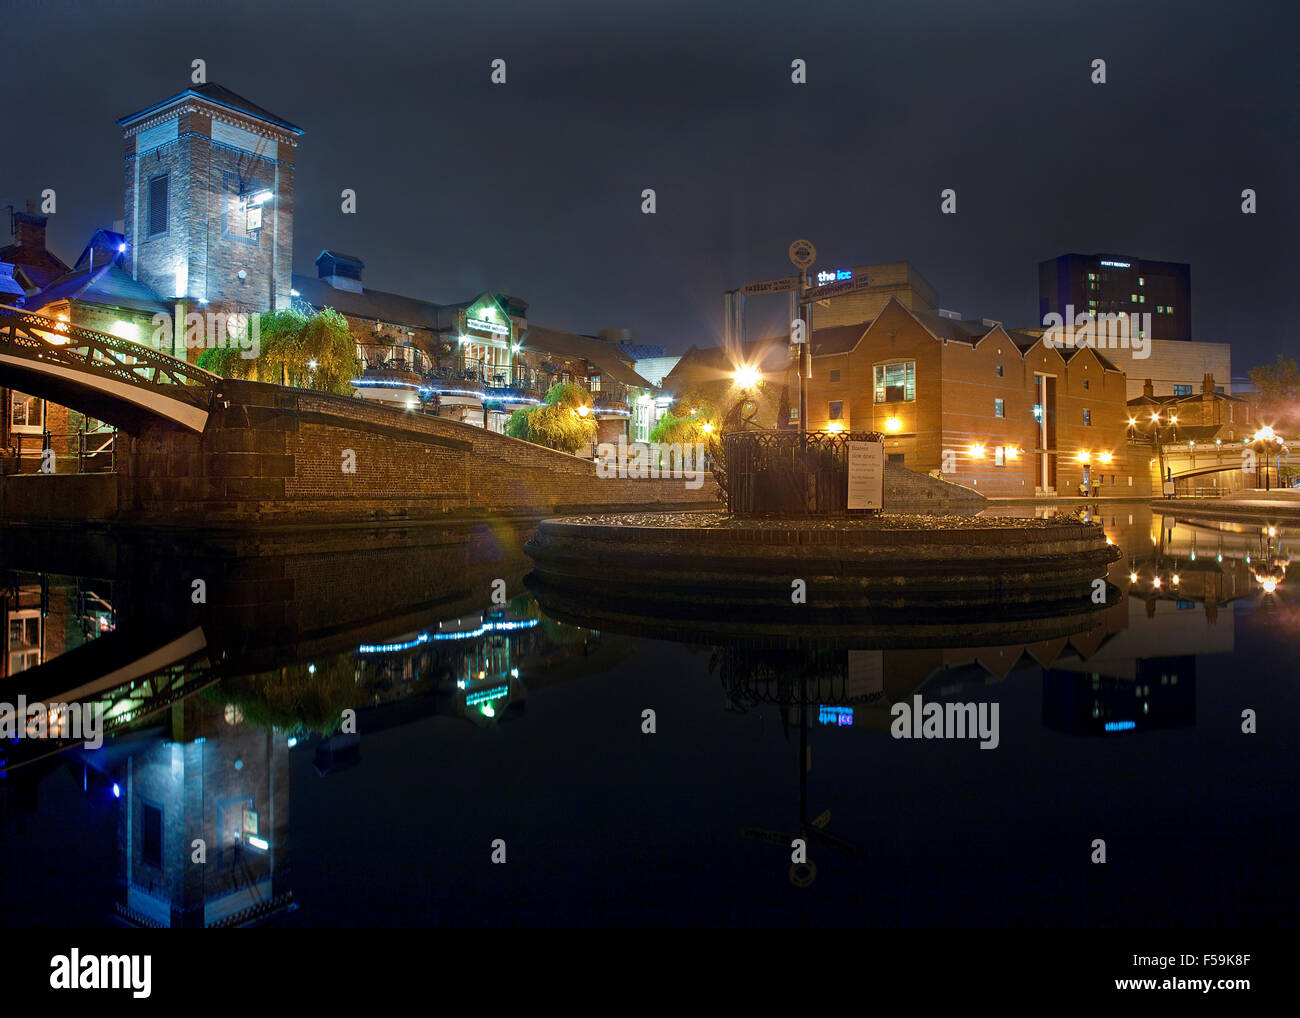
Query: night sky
x,y
533,188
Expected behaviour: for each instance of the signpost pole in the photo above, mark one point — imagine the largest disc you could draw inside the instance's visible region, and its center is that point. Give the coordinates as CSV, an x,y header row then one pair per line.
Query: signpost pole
x,y
802,256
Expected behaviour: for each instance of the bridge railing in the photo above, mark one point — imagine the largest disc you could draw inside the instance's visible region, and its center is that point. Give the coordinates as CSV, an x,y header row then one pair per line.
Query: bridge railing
x,y
53,341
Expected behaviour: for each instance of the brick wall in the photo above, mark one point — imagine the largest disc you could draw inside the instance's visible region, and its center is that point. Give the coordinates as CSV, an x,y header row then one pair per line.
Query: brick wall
x,y
279,454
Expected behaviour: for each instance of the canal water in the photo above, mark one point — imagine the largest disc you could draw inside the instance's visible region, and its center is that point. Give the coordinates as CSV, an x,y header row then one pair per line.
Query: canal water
x,y
388,728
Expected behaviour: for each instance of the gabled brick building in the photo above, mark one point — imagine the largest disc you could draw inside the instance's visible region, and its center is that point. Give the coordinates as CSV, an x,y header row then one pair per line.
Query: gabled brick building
x,y
993,409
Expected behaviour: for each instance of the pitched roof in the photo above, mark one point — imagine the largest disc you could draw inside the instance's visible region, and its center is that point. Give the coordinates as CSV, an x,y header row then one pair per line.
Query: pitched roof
x,y
12,290
220,96
38,265
371,304
837,339
107,242
538,339
109,284
957,330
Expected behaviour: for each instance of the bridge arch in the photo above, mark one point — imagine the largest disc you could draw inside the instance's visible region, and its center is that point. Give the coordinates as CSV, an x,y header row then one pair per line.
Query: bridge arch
x,y
107,377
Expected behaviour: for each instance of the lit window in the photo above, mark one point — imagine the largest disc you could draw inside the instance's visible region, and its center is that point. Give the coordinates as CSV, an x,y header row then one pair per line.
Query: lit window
x,y
999,408
1087,418
999,455
1141,281
998,370
1182,390
26,413
896,383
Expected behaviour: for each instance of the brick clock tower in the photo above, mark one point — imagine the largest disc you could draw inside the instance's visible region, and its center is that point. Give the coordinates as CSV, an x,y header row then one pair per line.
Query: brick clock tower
x,y
209,202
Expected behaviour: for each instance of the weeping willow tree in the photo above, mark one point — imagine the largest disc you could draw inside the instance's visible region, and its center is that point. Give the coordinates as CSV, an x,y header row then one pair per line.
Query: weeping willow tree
x,y
295,346
564,421
292,698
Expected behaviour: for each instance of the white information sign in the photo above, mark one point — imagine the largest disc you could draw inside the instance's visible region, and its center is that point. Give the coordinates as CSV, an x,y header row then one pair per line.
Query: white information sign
x,y
866,475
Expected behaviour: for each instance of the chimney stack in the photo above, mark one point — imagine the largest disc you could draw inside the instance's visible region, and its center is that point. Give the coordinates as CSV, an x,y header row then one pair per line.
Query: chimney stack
x,y
1148,389
1207,384
29,228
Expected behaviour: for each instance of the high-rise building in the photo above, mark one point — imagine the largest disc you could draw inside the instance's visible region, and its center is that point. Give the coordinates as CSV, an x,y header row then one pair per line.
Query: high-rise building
x,y
1119,285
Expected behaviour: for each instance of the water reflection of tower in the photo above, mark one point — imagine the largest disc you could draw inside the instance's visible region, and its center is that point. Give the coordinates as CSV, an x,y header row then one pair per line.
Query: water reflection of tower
x,y
214,778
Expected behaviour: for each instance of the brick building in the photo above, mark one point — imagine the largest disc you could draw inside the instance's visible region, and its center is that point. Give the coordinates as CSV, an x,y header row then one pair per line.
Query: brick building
x,y
209,183
990,408
475,361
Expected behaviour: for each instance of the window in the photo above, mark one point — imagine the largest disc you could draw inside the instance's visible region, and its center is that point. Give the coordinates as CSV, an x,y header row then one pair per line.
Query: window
x,y
1087,418
1000,456
1141,281
999,408
151,836
26,413
1182,390
998,370
837,410
158,205
896,383
1087,384
896,457
835,375
794,413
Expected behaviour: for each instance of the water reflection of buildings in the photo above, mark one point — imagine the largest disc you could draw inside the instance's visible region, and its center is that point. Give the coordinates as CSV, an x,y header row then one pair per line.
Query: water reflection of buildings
x,y
207,776
473,665
44,616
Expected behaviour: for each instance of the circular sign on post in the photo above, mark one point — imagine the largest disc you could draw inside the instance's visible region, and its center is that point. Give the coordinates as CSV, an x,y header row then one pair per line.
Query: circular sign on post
x,y
802,254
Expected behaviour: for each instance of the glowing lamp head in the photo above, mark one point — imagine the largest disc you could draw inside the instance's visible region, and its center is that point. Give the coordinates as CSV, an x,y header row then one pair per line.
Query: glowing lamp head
x,y
1012,453
1155,416
1173,419
1155,582
1175,578
583,411
977,451
893,425
1268,584
1132,577
1084,456
746,377
835,427
1132,422
707,428
1105,457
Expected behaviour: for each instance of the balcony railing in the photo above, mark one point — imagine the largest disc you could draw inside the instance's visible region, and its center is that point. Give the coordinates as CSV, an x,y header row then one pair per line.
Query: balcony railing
x,y
609,393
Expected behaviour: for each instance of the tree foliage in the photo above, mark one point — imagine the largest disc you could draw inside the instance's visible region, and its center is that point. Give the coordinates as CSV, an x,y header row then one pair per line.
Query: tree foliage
x,y
1279,391
297,346
560,422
